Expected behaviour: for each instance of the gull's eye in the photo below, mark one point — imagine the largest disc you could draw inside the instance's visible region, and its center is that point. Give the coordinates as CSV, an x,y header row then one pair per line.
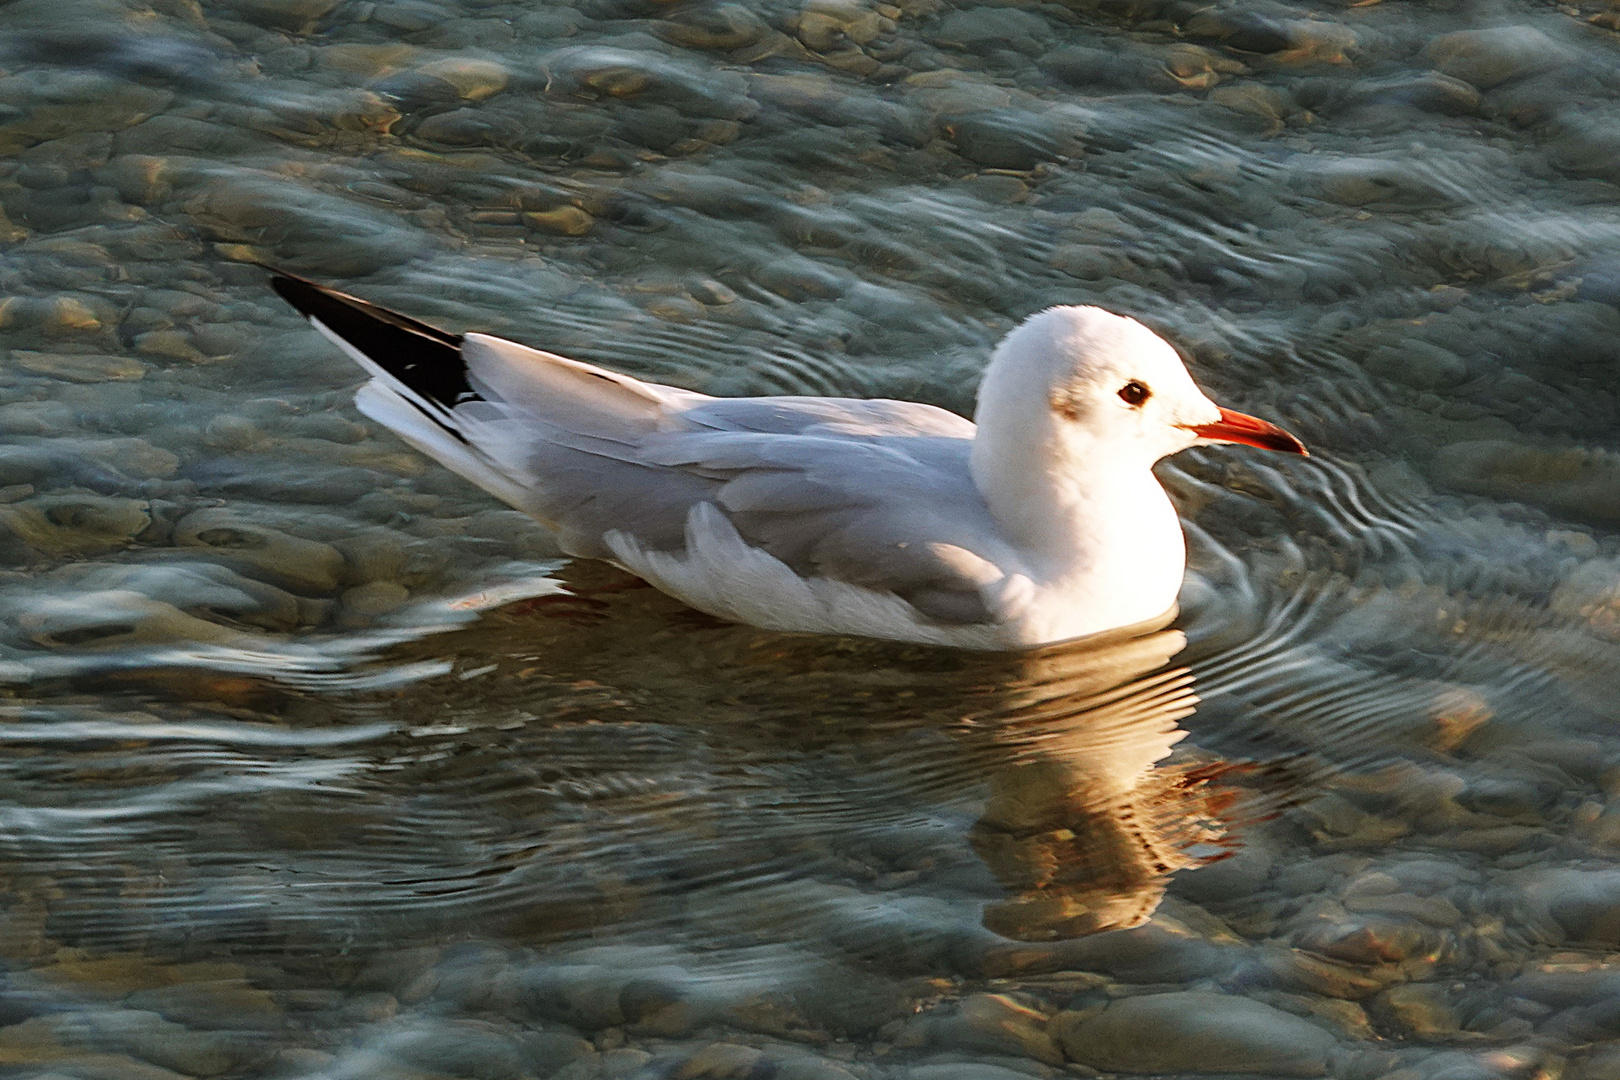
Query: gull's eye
x,y
1134,393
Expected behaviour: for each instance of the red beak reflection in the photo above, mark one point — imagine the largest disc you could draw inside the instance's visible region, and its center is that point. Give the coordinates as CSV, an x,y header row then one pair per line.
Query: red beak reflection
x,y
1236,427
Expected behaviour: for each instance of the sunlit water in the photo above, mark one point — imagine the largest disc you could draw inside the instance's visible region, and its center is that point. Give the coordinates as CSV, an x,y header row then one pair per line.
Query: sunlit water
x,y
318,762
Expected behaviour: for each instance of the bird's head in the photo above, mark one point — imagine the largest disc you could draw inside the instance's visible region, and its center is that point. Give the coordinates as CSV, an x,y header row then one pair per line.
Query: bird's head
x,y
1084,380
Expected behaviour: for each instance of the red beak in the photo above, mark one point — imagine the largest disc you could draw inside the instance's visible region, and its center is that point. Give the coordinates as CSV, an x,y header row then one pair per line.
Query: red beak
x,y
1236,427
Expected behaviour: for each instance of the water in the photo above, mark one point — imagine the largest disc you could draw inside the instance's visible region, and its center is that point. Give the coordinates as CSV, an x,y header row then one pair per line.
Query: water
x,y
320,763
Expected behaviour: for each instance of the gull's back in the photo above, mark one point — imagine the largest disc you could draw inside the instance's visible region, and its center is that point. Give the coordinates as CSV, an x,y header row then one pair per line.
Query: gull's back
x,y
822,514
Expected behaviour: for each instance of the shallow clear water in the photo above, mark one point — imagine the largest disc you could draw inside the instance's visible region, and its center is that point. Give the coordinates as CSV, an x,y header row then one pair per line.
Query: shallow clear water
x,y
318,762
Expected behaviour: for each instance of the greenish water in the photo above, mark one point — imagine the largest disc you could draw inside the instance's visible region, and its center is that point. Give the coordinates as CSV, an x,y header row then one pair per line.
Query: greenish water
x,y
320,763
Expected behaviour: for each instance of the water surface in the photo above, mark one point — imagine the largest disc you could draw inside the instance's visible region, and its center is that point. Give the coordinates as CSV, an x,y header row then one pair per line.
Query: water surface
x,y
320,762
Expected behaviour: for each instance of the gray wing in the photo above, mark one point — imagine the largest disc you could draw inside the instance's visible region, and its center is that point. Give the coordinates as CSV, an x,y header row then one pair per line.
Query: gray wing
x,y
897,513
873,493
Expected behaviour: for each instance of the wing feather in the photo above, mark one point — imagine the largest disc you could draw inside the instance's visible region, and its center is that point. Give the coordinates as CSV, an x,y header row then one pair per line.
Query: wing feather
x,y
876,494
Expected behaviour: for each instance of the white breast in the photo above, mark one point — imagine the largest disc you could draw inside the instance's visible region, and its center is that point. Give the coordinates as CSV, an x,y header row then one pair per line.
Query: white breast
x,y
721,573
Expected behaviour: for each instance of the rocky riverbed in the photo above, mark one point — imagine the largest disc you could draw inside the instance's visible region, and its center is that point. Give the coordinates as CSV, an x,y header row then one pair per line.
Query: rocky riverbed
x,y
321,763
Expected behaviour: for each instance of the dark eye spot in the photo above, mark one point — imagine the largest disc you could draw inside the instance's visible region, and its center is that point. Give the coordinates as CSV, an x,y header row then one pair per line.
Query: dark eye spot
x,y
1134,393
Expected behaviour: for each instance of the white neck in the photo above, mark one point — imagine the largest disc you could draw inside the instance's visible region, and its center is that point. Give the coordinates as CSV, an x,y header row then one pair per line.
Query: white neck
x,y
1091,523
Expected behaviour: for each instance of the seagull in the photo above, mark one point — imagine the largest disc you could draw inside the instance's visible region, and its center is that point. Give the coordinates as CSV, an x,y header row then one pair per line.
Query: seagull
x,y
1038,521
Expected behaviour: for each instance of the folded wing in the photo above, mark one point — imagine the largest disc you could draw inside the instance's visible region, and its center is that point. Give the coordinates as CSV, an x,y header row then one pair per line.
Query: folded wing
x,y
870,493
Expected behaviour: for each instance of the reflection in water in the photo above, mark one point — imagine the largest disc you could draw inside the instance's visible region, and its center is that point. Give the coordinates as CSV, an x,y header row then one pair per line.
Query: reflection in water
x,y
1053,751
596,811
1084,830
1088,836
618,811
613,759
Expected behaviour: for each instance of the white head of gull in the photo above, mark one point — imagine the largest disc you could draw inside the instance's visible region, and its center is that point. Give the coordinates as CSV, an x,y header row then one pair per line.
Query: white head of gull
x,y
880,518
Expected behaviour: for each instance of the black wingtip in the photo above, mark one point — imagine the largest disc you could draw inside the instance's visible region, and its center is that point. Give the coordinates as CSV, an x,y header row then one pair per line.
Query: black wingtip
x,y
301,294
423,358
332,307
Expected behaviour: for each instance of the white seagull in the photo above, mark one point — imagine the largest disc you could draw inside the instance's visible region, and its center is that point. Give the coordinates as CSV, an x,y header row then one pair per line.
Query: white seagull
x,y
1040,521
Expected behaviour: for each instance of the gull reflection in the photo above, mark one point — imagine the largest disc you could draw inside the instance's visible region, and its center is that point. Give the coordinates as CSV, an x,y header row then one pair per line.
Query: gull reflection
x,y
1084,825
838,763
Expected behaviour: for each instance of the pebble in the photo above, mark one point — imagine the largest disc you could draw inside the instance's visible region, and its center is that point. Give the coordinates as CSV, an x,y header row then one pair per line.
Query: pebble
x,y
472,79
203,589
1160,951
1195,1032
1245,30
1267,104
53,317
1241,875
364,603
562,221
624,1062
992,1023
366,61
721,1061
1345,1018
715,26
1433,910
1428,91
1013,140
469,127
1587,146
147,1036
231,1004
1375,181
810,1067
33,1043
1591,594
1584,484
1583,905
1418,364
1602,1063
456,1048
55,525
825,25
963,1071
1418,1010
304,566
619,73
1089,262
1301,970
800,279
300,224
60,104
983,29
80,367
1487,58
294,16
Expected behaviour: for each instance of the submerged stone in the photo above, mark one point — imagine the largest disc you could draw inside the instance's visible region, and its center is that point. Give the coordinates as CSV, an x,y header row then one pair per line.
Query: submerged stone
x,y
1420,1010
1485,58
294,16
987,1023
72,524
714,26
1194,1032
563,221
80,367
982,29
303,565
1585,484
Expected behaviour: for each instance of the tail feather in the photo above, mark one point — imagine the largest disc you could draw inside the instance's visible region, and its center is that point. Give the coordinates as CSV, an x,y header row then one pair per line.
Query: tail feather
x,y
421,359
484,406
418,376
383,403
